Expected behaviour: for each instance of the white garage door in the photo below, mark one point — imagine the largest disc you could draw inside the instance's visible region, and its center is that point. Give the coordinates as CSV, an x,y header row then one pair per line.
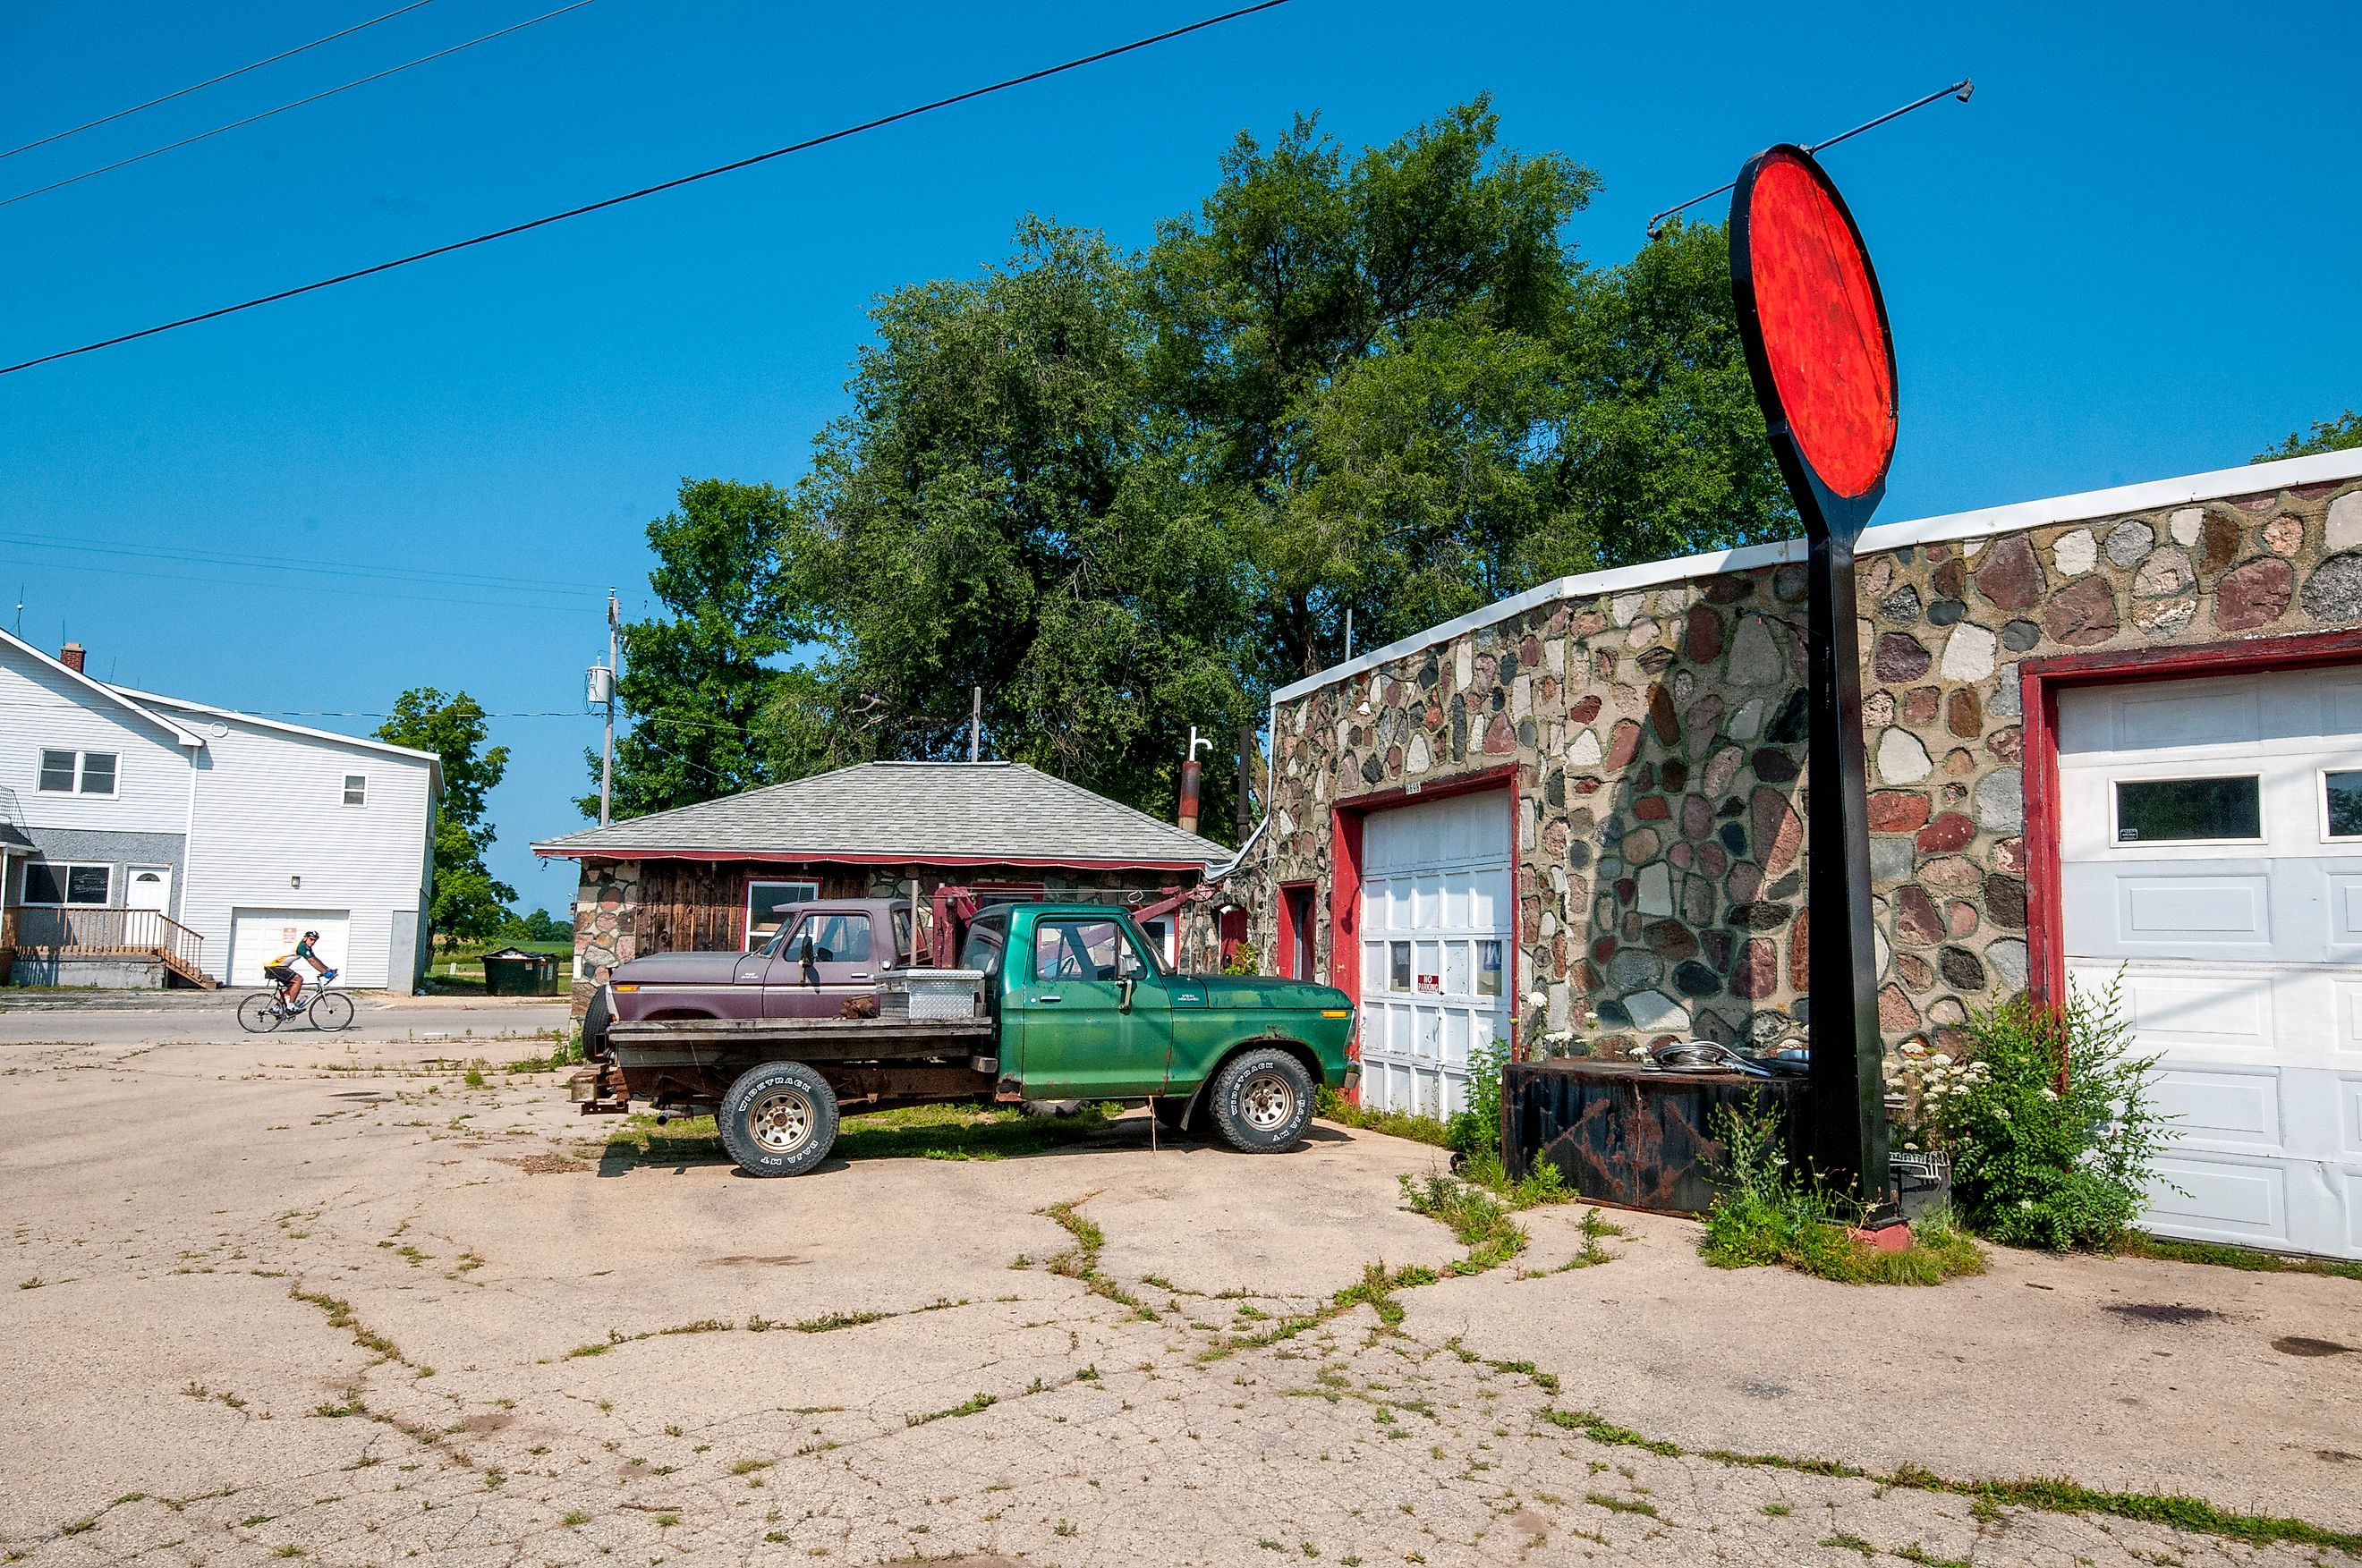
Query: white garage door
x,y
2211,847
1436,933
258,936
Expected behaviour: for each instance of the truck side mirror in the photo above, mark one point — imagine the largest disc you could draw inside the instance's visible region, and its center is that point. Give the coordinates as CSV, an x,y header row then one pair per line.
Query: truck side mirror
x,y
805,952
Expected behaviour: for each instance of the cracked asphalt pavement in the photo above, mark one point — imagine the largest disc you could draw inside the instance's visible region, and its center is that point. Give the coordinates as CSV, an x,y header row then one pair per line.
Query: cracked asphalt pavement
x,y
312,1296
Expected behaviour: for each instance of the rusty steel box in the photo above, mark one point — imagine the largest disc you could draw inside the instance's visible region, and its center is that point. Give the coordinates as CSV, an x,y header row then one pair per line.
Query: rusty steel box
x,y
1629,1134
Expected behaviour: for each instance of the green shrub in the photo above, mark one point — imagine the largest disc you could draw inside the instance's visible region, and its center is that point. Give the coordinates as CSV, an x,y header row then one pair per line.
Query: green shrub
x,y
1769,1213
1476,1129
2046,1158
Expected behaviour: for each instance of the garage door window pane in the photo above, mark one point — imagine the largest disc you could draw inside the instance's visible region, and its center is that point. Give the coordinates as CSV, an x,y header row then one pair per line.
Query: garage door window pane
x,y
1398,966
1488,969
2165,811
2345,792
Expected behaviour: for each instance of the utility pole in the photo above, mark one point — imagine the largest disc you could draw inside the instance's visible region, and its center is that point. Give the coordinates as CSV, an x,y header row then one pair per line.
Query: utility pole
x,y
601,690
975,724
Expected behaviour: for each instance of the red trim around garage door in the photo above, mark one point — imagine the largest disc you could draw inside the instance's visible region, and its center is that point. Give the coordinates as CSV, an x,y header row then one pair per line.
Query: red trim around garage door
x,y
2039,682
1345,820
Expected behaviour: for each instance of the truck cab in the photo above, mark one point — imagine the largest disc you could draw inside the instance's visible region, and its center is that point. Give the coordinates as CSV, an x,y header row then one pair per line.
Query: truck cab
x,y
825,955
1088,1010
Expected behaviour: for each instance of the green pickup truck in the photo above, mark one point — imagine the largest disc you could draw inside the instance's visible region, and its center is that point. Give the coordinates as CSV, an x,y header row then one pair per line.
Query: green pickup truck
x,y
1049,1002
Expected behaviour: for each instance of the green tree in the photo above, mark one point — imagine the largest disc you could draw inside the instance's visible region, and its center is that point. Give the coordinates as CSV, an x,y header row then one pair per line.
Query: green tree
x,y
1280,311
1131,495
985,518
2328,435
468,899
695,684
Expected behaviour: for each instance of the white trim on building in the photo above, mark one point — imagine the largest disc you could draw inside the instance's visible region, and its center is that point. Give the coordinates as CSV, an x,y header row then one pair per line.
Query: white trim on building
x,y
2288,473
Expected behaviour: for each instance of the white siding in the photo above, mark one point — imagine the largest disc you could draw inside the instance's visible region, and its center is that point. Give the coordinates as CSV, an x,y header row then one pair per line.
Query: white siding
x,y
272,832
42,709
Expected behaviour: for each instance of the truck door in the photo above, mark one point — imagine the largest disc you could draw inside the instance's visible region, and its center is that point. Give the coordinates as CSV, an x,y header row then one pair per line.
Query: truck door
x,y
1095,1016
827,957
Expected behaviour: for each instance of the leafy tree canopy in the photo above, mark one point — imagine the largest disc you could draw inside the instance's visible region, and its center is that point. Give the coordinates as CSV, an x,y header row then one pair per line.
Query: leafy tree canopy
x,y
2338,434
468,899
1128,495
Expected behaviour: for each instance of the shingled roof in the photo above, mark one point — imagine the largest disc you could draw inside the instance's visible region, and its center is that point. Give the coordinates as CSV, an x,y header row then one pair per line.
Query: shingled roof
x,y
905,814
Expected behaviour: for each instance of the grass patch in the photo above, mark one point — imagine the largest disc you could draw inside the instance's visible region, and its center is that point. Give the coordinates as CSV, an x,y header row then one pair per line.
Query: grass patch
x,y
954,1130
2056,1495
959,1130
2217,1255
1482,1221
1621,1505
1768,1213
970,1406
829,1322
1334,1107
1081,1262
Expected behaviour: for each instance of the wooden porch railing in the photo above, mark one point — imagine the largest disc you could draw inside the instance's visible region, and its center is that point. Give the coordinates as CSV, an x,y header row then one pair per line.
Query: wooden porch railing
x,y
78,931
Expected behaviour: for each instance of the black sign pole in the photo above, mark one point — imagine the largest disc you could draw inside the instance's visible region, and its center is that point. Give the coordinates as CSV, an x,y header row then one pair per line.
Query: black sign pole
x,y
1848,1140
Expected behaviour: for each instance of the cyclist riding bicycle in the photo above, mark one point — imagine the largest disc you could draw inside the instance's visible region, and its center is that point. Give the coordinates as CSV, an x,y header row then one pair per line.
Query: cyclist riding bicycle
x,y
282,972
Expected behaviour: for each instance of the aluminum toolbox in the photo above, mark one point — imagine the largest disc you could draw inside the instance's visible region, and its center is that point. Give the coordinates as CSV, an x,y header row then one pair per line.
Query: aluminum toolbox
x,y
932,995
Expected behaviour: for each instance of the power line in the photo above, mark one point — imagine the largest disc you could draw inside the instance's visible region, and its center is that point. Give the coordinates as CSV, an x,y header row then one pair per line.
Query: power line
x,y
212,81
1961,90
732,167
234,125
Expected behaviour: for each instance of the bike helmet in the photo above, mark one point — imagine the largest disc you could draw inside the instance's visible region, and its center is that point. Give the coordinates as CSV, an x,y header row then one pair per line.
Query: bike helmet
x,y
308,936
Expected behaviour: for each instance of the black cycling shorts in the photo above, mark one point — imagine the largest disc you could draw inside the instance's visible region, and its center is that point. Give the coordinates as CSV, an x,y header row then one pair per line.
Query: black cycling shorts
x,y
280,972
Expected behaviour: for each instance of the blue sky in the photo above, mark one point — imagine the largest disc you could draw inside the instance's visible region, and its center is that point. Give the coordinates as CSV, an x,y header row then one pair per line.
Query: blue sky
x,y
2134,254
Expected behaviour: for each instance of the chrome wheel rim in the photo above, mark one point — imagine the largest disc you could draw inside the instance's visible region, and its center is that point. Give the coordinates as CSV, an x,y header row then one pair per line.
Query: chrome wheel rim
x,y
1268,1102
780,1122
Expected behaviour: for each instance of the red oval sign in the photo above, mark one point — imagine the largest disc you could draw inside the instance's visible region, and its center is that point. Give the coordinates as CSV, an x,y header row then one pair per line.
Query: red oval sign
x,y
1824,330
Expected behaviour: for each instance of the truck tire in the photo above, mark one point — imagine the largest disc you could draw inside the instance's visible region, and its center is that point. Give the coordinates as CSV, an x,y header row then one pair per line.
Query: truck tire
x,y
595,1019
779,1119
1260,1101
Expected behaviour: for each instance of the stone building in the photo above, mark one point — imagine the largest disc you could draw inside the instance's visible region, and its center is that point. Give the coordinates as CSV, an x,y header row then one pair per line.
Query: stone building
x,y
2117,730
718,875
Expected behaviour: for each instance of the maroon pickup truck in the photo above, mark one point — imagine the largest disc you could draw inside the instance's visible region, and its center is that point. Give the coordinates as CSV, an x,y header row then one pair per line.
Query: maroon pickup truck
x,y
824,955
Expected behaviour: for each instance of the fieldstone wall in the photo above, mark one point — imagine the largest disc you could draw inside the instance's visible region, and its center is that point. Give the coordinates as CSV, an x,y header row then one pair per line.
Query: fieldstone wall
x,y
1659,742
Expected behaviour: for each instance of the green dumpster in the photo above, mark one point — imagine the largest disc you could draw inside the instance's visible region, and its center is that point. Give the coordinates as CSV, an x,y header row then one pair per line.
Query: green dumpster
x,y
513,971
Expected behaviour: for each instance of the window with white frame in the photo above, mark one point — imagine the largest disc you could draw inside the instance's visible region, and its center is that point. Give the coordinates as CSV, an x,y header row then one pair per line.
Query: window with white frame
x,y
77,773
767,903
356,789
54,884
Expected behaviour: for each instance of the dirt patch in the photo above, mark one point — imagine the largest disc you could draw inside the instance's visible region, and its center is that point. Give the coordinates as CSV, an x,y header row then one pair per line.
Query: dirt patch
x,y
491,1421
541,1164
2296,1345
2169,1312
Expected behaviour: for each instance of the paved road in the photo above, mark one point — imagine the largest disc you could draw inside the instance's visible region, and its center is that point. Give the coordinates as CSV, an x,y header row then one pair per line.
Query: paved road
x,y
319,1295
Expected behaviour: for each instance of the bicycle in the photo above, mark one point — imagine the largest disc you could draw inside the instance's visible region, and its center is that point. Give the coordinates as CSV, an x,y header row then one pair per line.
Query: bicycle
x,y
329,1009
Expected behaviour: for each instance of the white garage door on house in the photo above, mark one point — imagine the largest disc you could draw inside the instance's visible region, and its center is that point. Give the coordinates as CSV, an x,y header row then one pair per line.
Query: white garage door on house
x,y
2211,849
258,936
1436,928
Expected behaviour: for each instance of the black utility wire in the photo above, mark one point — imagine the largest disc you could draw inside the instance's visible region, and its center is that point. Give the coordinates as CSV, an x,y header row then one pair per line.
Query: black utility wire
x,y
211,81
310,98
804,146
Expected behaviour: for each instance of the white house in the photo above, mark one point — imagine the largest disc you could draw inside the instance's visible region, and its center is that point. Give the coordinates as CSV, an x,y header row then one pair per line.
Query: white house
x,y
148,836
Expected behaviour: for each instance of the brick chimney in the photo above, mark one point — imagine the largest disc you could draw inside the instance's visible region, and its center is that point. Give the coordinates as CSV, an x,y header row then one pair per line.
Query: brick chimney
x,y
71,656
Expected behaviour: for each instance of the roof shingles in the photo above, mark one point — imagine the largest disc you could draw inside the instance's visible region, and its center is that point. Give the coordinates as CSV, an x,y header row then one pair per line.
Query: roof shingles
x,y
972,813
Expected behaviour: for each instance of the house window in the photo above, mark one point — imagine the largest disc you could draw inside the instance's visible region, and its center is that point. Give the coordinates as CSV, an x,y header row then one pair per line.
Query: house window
x,y
2166,811
2343,800
767,903
46,883
356,789
77,773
